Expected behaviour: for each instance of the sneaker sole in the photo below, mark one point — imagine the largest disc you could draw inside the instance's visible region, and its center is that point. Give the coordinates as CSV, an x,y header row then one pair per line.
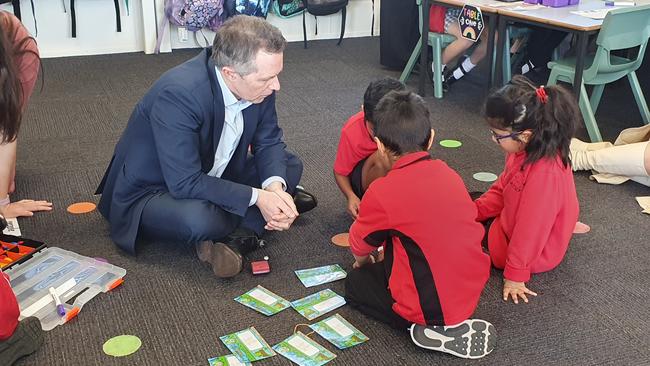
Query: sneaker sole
x,y
473,338
224,260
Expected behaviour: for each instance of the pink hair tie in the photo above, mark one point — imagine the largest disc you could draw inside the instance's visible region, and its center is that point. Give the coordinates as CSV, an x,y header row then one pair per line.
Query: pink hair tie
x,y
541,94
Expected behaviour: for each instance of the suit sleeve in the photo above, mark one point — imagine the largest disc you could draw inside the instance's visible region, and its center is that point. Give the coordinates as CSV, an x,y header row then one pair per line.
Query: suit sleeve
x,y
269,150
175,121
371,228
538,209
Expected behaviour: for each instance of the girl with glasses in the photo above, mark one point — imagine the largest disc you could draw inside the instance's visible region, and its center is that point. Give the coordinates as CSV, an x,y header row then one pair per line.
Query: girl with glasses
x,y
533,202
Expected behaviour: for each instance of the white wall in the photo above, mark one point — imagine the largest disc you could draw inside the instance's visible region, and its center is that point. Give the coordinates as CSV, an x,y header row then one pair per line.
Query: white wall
x,y
97,34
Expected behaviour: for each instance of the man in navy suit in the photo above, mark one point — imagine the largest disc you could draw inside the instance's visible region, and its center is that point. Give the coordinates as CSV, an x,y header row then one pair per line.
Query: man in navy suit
x,y
202,159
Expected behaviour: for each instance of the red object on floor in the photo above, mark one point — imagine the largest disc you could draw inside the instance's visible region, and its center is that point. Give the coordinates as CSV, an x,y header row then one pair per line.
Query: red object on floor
x,y
260,267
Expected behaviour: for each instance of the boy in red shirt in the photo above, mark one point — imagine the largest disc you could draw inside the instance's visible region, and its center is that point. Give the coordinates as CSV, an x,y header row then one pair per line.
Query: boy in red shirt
x,y
434,268
356,164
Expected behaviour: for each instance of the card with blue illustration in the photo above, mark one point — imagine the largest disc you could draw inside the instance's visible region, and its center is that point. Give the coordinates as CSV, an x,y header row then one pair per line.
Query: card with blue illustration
x,y
228,360
320,275
315,305
304,351
339,332
247,345
263,300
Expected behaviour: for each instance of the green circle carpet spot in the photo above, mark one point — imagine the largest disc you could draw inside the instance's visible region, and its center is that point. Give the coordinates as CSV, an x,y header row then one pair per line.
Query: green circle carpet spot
x,y
485,177
123,345
450,143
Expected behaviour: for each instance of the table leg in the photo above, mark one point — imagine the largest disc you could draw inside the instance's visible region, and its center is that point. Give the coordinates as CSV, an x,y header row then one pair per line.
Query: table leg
x,y
503,23
424,50
492,24
580,62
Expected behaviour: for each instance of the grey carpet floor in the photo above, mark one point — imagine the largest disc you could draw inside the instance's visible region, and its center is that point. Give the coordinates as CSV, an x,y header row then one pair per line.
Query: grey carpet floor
x,y
591,310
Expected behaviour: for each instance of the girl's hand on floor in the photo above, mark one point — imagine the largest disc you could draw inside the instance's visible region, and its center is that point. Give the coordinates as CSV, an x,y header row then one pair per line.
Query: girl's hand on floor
x,y
25,208
516,290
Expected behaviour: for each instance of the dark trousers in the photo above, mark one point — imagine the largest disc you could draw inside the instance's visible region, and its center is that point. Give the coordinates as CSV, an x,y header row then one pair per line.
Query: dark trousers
x,y
366,289
195,220
541,44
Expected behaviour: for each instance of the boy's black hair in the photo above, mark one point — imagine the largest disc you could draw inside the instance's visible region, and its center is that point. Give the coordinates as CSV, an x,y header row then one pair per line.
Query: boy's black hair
x,y
375,91
402,122
553,123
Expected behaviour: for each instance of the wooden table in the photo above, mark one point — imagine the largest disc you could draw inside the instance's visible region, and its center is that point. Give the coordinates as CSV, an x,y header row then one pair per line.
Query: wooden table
x,y
490,12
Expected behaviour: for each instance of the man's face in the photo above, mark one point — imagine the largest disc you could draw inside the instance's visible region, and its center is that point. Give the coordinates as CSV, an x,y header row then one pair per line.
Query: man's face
x,y
258,85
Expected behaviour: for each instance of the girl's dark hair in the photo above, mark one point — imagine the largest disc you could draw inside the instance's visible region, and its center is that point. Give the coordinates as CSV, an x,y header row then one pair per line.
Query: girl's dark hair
x,y
11,91
402,122
553,123
375,91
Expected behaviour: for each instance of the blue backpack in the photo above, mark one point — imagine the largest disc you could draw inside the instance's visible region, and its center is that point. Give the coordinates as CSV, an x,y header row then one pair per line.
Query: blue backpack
x,y
258,8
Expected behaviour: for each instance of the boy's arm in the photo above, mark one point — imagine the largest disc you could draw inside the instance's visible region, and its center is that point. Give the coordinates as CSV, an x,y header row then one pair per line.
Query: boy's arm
x,y
370,230
346,187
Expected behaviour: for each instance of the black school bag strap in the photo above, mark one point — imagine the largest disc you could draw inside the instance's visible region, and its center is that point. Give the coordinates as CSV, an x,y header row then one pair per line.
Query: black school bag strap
x,y
73,17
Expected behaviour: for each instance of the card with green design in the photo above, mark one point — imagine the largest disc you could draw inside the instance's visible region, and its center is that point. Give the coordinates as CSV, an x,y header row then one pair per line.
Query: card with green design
x,y
315,305
339,332
320,275
304,351
229,360
263,300
247,345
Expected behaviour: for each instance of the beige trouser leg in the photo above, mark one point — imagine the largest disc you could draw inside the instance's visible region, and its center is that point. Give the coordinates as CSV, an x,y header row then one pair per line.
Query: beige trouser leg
x,y
626,160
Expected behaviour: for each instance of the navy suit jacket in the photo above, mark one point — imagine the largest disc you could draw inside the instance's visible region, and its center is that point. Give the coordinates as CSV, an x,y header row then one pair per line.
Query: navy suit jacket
x,y
169,146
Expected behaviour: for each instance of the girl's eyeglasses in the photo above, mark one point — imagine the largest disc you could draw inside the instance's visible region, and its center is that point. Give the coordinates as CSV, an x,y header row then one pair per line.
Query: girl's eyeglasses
x,y
497,138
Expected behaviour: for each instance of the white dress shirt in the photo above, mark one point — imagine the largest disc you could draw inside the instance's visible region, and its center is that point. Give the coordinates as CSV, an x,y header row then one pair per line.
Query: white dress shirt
x,y
232,131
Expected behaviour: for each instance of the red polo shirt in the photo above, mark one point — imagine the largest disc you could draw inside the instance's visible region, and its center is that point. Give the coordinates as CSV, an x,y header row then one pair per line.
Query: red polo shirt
x,y
9,311
421,212
535,211
355,145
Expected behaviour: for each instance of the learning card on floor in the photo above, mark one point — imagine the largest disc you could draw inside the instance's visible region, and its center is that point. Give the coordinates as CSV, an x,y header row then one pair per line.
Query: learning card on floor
x,y
313,306
304,351
263,300
339,332
12,227
320,275
247,345
229,360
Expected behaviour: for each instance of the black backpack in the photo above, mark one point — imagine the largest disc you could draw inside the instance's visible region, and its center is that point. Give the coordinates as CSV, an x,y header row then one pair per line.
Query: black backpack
x,y
324,7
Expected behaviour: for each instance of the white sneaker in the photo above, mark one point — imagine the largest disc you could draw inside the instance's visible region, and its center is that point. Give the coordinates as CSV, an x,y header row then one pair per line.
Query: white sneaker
x,y
473,338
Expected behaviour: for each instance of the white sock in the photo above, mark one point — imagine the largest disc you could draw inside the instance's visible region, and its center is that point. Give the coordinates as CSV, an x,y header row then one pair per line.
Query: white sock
x,y
527,67
467,65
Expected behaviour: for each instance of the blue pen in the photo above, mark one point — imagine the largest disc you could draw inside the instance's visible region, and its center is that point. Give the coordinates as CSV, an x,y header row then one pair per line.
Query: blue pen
x,y
59,307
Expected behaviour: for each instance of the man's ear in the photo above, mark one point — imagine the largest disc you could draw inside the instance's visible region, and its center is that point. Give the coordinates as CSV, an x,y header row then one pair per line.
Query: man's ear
x,y
229,73
433,133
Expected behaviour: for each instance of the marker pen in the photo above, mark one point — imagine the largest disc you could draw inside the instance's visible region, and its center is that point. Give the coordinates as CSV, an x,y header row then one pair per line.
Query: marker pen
x,y
59,307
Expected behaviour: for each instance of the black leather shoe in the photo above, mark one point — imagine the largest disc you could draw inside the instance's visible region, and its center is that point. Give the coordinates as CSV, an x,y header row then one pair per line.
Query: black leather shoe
x,y
304,200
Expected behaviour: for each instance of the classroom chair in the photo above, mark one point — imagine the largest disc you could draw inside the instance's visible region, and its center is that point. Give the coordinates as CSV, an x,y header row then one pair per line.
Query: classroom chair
x,y
623,28
437,41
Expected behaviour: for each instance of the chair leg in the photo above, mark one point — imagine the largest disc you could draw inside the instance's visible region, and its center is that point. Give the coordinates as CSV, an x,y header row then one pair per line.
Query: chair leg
x,y
596,94
507,66
437,70
638,95
406,73
343,11
304,29
588,116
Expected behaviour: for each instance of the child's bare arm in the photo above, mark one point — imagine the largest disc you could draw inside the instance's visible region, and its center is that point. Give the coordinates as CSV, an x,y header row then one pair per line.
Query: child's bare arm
x,y
346,188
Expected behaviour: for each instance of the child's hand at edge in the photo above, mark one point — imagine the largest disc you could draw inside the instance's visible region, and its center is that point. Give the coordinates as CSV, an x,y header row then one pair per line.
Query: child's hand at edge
x,y
515,290
353,206
362,261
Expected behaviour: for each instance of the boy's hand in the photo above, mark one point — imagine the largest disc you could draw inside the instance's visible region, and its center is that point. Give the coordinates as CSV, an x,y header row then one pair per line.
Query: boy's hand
x,y
516,290
353,206
362,261
24,208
